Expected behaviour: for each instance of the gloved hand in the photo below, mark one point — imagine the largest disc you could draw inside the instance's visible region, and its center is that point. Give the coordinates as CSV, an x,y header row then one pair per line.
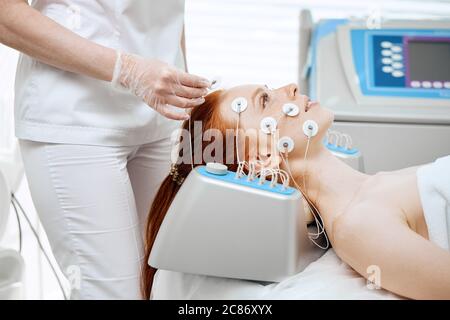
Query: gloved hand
x,y
159,84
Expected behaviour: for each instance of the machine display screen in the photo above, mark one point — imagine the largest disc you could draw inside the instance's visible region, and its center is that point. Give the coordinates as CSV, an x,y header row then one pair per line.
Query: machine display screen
x,y
429,60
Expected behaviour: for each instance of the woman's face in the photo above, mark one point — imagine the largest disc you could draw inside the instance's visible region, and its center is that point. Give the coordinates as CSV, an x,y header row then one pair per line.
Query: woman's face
x,y
264,102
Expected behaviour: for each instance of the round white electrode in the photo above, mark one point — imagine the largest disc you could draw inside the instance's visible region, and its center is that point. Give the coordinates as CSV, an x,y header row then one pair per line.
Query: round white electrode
x,y
216,168
268,125
239,104
291,109
285,144
310,128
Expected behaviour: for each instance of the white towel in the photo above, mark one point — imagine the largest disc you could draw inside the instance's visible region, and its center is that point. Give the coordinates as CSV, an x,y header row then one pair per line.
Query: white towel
x,y
434,187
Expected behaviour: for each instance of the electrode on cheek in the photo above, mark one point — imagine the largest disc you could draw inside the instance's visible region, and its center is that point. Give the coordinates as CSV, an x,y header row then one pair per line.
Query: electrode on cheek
x,y
310,128
291,109
268,125
239,105
285,144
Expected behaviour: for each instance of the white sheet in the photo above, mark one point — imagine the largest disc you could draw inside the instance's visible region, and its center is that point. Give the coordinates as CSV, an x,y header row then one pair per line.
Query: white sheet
x,y
433,181
326,278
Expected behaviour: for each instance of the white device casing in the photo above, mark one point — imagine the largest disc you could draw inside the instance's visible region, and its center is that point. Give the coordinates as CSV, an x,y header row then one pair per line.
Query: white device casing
x,y
219,228
5,202
11,275
11,262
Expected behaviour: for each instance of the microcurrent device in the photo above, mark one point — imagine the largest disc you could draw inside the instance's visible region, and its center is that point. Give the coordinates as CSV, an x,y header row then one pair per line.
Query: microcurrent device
x,y
223,225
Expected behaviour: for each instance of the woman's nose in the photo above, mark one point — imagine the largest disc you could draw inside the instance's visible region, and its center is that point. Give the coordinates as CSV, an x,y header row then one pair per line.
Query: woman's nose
x,y
292,90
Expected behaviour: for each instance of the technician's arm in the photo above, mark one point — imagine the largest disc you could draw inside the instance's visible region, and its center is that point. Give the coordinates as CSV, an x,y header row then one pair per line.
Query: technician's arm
x,y
27,30
409,264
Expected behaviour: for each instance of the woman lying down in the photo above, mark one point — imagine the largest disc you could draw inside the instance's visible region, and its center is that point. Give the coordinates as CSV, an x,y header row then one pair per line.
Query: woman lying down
x,y
370,220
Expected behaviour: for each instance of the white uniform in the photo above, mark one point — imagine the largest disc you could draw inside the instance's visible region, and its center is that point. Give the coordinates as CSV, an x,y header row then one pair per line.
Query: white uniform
x,y
59,106
94,157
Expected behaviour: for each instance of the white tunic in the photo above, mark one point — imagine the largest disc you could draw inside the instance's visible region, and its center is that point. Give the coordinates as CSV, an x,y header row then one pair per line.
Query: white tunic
x,y
53,105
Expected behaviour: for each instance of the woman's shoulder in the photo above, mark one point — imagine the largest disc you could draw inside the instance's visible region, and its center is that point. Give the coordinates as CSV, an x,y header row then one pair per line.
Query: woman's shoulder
x,y
387,200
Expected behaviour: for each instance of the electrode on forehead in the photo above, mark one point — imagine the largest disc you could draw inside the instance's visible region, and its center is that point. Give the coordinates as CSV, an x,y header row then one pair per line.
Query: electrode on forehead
x,y
239,104
268,125
285,144
291,109
310,128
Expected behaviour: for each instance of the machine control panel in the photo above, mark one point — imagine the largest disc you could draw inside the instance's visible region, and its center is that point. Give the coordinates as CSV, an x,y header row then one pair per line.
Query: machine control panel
x,y
389,61
405,63
413,62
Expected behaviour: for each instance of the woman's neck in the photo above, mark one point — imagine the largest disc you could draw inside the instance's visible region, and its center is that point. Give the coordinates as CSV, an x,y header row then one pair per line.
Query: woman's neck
x,y
330,184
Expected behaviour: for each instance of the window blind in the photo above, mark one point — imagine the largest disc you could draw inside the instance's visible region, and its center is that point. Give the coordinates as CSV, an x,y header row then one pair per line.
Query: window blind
x,y
256,41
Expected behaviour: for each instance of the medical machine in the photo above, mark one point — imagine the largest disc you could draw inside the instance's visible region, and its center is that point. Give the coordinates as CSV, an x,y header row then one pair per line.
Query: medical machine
x,y
389,86
11,262
11,172
341,145
235,227
11,275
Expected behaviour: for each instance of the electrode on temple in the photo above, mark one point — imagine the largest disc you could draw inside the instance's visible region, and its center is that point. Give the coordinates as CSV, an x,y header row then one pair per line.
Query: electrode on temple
x,y
239,104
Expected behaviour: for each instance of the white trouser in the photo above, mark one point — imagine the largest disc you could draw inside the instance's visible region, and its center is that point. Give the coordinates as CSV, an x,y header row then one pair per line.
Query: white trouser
x,y
93,202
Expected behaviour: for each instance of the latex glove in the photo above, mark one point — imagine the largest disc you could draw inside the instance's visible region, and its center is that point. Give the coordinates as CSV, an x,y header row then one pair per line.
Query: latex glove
x,y
160,85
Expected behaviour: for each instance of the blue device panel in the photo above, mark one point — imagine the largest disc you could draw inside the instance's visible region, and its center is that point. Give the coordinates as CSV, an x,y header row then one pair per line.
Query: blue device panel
x,y
230,177
385,62
389,69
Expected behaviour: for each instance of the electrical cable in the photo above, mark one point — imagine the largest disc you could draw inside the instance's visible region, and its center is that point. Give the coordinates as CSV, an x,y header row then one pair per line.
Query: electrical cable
x,y
14,199
315,212
19,225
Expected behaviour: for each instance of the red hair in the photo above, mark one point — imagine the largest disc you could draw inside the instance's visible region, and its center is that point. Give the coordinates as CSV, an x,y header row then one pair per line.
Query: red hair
x,y
209,114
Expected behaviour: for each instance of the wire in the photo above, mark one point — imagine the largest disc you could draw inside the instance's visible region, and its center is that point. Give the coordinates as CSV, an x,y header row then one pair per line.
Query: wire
x,y
304,160
318,223
241,164
19,225
190,144
14,199
237,138
315,212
